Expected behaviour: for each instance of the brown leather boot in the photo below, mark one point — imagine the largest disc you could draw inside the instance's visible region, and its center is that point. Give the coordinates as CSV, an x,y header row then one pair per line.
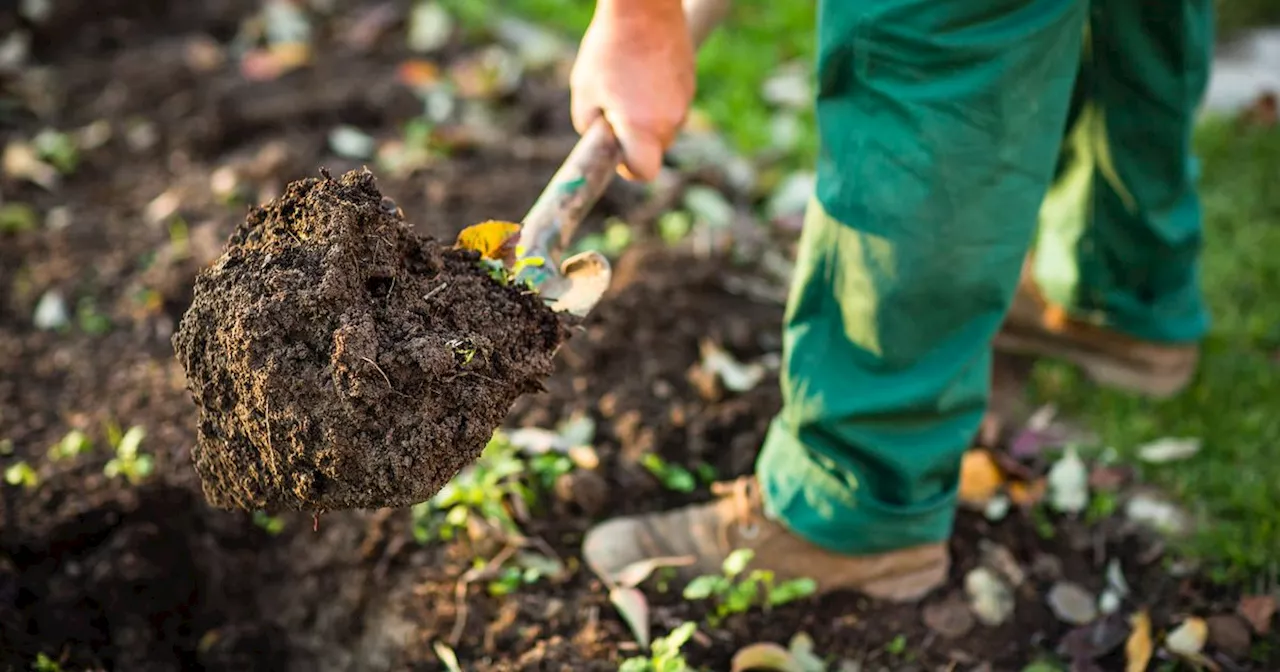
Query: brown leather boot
x,y
1036,327
708,533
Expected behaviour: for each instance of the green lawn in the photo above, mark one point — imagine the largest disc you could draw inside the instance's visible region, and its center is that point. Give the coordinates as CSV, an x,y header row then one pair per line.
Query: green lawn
x,y
1235,404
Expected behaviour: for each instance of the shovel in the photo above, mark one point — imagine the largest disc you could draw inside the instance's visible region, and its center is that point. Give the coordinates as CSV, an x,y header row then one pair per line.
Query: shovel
x,y
580,281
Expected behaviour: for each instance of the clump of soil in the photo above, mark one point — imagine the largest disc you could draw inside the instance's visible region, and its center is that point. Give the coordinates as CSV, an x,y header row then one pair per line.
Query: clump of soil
x,y
341,361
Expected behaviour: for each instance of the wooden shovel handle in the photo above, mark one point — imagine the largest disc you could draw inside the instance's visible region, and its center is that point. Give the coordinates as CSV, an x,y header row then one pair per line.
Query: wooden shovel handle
x,y
594,161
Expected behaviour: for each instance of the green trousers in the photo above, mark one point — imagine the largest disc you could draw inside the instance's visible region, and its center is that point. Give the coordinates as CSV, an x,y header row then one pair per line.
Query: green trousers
x,y
956,137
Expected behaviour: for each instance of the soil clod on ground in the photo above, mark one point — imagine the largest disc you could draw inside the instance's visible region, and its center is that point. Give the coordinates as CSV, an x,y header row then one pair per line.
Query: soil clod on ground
x,y
340,361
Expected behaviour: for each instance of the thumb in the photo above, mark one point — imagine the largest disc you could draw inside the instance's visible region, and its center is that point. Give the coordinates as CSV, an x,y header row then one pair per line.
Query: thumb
x,y
642,149
583,110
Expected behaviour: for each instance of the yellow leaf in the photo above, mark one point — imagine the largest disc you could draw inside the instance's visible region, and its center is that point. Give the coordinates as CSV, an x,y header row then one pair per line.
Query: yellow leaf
x,y
492,239
1027,493
1137,650
980,478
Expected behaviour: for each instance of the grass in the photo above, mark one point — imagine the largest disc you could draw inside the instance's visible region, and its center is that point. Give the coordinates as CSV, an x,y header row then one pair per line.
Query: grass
x,y
1235,481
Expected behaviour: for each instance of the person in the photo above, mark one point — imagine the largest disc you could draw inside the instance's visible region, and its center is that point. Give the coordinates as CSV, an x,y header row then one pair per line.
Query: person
x,y
1007,173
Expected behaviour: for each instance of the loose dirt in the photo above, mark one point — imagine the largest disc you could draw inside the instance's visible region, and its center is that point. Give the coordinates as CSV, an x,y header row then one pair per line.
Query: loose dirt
x,y
341,361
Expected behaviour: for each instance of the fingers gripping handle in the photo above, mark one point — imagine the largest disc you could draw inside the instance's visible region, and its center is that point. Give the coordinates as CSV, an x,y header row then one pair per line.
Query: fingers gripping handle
x,y
590,167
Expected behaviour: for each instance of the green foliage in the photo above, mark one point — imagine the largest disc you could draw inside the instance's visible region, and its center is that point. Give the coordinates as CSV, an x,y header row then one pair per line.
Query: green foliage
x,y
272,524
735,593
672,476
43,663
21,473
58,149
90,319
17,218
74,444
129,461
489,489
665,654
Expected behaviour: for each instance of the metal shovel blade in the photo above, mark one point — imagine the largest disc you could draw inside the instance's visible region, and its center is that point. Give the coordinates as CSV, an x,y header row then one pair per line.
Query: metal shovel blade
x,y
583,280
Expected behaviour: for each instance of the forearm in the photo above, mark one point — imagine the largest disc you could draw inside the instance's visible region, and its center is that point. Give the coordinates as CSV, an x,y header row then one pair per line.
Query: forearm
x,y
651,12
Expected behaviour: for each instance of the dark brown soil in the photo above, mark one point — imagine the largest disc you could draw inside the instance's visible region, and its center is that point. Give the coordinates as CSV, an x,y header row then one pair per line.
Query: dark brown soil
x,y
100,573
341,361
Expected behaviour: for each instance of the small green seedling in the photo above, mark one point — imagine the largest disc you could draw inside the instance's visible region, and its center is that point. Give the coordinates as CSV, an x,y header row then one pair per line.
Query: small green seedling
x,y
18,217
58,149
463,349
484,489
74,444
21,473
272,524
672,476
896,646
734,595
525,569
665,654
548,467
128,462
90,319
44,663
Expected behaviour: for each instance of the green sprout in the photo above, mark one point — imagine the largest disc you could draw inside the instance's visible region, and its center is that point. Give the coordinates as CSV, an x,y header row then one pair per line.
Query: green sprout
x,y
90,319
58,149
128,462
485,489
463,349
272,524
17,218
734,595
74,444
21,473
44,663
665,653
672,476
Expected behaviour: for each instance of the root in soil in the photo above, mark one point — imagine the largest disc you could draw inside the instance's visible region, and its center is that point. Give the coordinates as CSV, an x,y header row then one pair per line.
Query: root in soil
x,y
341,361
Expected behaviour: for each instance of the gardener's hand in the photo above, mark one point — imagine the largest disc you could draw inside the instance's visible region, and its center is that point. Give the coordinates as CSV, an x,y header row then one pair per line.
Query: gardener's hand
x,y
636,67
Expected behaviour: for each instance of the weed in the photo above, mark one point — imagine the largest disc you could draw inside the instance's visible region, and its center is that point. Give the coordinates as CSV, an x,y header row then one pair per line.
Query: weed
x,y
734,595
272,524
74,444
44,663
21,473
665,653
672,476
486,490
128,462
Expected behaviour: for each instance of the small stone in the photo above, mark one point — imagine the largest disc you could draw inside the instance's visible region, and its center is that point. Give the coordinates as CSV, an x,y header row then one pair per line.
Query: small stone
x,y
1072,604
949,618
990,598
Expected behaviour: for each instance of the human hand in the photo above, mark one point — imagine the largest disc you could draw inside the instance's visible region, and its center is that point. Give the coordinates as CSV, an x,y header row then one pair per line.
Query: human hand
x,y
635,66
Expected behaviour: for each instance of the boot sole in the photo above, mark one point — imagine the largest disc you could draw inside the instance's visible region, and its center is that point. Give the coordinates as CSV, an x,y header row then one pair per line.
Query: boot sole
x,y
1102,369
910,587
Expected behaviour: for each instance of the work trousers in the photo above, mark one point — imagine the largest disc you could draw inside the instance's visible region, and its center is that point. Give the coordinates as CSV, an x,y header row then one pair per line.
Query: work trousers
x,y
956,136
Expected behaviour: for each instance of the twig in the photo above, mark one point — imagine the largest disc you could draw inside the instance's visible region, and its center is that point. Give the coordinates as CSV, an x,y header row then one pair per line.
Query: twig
x,y
384,377
475,574
437,290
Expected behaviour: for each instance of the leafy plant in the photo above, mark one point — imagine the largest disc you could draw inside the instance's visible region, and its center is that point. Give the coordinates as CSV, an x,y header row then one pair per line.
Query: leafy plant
x,y
90,319
74,444
665,655
734,593
58,149
672,476
486,489
129,461
21,473
44,663
272,524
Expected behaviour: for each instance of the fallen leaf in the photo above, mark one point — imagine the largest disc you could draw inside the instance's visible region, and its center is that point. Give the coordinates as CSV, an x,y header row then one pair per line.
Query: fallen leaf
x,y
1115,578
1000,558
997,508
634,609
430,26
1230,634
1028,493
1072,603
418,74
764,656
51,312
492,239
1095,639
351,143
949,618
980,478
1157,513
734,375
22,162
635,573
447,656
1169,449
1258,610
1189,638
1137,650
1068,482
273,62
990,598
